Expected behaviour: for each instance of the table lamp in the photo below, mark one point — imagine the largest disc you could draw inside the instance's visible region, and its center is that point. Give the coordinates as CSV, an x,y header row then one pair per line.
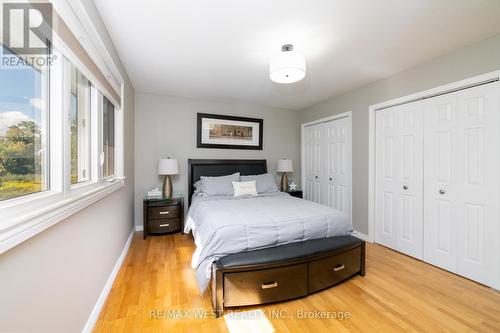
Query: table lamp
x,y
285,166
167,167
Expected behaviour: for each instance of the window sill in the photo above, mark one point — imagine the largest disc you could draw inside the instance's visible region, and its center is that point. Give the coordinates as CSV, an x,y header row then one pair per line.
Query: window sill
x,y
35,221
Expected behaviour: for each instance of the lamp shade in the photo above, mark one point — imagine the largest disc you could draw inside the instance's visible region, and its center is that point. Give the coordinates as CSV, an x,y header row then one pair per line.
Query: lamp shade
x,y
168,166
285,166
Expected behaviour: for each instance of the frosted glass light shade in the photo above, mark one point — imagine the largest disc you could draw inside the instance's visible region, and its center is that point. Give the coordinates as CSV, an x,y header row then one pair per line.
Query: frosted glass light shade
x,y
168,166
287,67
285,166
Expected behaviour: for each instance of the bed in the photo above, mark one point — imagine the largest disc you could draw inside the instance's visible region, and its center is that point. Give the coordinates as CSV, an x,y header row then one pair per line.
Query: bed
x,y
265,248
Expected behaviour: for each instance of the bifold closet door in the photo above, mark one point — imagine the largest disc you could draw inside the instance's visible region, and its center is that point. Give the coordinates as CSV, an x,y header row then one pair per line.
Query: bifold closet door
x,y
337,178
327,152
313,169
462,182
399,183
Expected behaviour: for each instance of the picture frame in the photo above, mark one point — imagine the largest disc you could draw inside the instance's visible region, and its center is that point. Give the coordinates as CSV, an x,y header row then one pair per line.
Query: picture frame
x,y
229,132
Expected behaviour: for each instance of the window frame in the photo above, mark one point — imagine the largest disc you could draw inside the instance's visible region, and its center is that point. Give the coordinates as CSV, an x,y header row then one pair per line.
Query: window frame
x,y
115,173
45,171
25,216
88,129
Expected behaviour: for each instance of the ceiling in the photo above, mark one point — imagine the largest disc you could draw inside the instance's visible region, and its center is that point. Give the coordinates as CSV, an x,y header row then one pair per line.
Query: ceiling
x,y
220,49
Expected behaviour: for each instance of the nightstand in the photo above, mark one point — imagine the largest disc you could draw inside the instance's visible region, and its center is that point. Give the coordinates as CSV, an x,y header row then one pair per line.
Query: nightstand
x,y
297,194
163,216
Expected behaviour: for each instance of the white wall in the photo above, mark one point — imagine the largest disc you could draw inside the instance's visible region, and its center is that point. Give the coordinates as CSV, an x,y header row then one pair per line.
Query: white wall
x,y
470,61
51,282
166,126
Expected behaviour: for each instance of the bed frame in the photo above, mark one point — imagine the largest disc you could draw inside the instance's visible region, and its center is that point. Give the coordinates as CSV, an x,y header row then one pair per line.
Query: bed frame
x,y
279,273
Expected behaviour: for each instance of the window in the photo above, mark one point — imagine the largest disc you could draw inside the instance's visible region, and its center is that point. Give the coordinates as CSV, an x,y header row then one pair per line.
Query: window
x,y
68,100
108,137
80,127
23,130
84,131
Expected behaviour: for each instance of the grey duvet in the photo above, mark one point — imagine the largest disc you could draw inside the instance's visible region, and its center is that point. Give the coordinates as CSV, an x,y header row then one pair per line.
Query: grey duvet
x,y
222,225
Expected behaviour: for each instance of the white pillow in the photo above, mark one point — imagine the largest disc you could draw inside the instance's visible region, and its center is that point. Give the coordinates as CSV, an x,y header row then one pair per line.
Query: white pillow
x,y
245,188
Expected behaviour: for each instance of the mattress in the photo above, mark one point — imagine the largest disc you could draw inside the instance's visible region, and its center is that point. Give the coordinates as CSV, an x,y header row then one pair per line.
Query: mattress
x,y
223,225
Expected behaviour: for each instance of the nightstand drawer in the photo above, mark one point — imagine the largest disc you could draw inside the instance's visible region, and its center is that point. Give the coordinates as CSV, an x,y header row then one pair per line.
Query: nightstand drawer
x,y
164,225
164,212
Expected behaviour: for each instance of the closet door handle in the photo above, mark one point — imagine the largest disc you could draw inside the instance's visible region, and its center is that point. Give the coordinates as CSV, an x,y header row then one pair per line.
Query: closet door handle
x,y
442,191
316,177
330,179
405,187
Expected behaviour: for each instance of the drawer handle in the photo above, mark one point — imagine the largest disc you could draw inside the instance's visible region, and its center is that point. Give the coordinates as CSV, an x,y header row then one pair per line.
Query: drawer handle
x,y
338,268
164,213
164,225
269,285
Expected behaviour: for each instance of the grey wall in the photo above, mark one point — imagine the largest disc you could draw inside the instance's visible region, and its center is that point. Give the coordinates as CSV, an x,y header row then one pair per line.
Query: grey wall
x,y
473,60
51,282
166,126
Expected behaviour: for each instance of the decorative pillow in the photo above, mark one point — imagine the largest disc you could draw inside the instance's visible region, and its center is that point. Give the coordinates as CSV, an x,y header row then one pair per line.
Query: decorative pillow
x,y
219,185
265,182
244,188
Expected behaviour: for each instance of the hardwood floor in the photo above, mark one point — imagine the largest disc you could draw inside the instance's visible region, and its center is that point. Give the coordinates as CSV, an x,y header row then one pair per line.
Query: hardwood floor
x,y
397,294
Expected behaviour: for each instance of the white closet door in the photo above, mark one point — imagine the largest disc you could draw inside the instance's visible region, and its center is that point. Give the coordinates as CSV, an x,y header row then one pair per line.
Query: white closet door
x,y
386,186
337,177
313,154
399,186
479,232
462,198
442,169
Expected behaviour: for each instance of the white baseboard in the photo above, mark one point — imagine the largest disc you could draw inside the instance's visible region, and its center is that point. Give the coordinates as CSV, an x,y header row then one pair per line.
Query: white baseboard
x,y
360,235
139,227
94,315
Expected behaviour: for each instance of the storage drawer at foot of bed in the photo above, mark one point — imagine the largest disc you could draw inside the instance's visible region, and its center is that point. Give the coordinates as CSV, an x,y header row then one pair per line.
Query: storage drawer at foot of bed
x,y
326,272
265,286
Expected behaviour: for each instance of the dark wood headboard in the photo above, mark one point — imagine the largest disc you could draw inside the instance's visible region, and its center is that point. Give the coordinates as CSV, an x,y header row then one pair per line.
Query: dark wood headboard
x,y
214,168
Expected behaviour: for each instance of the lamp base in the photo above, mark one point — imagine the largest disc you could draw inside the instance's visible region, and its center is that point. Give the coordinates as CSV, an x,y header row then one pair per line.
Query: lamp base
x,y
167,187
284,182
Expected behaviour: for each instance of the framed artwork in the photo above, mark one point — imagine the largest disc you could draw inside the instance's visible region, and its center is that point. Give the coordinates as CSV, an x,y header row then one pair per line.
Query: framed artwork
x,y
228,132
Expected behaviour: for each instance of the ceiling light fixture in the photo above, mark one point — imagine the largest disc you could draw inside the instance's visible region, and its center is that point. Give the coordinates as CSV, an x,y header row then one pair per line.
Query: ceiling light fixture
x,y
288,66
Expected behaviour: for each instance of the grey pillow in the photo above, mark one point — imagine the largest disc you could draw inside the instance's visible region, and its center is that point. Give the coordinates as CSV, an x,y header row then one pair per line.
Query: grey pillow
x,y
265,182
197,187
219,185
